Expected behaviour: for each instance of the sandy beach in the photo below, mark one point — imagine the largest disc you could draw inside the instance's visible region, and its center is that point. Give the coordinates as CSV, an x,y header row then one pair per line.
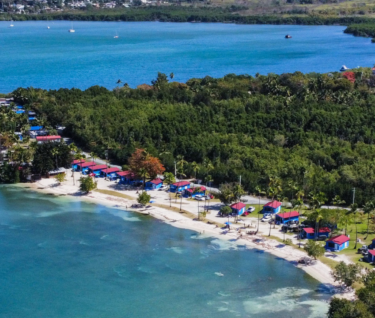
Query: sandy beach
x,y
318,270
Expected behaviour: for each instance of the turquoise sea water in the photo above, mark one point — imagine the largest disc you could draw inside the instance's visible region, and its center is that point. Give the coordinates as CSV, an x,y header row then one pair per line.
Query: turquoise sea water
x,y
65,258
32,55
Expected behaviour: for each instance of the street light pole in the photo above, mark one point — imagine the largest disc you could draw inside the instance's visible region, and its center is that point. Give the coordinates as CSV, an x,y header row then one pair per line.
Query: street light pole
x,y
353,194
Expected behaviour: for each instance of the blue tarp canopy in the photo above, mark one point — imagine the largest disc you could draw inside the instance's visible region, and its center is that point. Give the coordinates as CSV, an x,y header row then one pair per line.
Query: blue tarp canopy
x,y
227,223
32,118
34,128
19,107
152,201
20,111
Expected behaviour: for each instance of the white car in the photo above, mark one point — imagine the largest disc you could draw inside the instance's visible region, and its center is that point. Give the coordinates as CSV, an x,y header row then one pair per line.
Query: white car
x,y
199,198
266,217
251,209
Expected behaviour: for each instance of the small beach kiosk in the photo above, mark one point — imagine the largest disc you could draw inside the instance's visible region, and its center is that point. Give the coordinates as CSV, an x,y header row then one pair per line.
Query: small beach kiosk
x,y
238,208
110,173
193,192
309,232
337,243
84,167
76,162
179,186
97,170
154,184
272,207
284,218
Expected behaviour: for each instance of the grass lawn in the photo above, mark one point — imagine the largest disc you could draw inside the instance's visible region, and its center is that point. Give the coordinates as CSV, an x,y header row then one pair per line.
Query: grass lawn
x,y
114,193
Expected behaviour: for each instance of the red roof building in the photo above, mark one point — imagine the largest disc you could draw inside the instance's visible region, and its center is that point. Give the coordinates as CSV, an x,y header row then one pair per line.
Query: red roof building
x,y
110,170
274,204
310,230
238,206
77,161
128,174
339,239
47,138
291,214
87,164
191,190
98,167
181,183
156,181
372,252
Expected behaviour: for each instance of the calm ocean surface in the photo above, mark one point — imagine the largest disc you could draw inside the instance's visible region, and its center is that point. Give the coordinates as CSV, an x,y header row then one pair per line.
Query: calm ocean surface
x,y
65,258
32,55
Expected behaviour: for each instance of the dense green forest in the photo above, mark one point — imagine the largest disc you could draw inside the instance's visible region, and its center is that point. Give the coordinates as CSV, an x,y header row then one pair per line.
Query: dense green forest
x,y
313,131
231,14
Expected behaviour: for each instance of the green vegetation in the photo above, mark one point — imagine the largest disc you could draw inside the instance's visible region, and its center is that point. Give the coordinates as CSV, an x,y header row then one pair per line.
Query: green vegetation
x,y
314,132
87,184
362,29
60,178
347,274
143,198
314,249
50,156
364,306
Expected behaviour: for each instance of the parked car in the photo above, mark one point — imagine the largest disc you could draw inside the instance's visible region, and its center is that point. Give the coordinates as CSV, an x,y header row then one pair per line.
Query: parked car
x,y
266,217
250,209
199,198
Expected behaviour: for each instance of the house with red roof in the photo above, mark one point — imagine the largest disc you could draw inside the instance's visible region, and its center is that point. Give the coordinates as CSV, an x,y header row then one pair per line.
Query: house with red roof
x,y
75,163
238,208
126,177
337,243
309,232
272,207
371,256
44,139
284,218
110,173
84,166
193,192
179,186
154,184
97,170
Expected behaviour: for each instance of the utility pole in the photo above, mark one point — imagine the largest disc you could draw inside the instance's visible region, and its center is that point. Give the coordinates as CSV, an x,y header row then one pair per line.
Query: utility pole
x,y
353,194
240,179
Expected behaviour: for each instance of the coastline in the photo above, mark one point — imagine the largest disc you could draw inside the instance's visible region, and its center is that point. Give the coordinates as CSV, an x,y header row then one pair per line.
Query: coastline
x,y
319,271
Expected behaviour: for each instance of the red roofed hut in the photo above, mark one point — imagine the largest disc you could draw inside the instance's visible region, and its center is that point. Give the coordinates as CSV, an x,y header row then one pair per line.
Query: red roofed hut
x,y
284,218
97,170
238,208
154,184
44,139
75,163
337,243
126,177
272,207
110,173
179,186
309,232
193,192
84,167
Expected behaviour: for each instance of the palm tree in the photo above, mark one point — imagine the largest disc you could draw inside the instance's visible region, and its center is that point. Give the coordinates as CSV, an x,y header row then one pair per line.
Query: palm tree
x,y
195,168
345,219
368,209
169,179
208,165
354,211
55,153
143,174
73,147
259,190
180,164
93,156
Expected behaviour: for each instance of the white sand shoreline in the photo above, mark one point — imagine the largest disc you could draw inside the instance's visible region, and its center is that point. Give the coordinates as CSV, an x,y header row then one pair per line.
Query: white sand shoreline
x,y
319,271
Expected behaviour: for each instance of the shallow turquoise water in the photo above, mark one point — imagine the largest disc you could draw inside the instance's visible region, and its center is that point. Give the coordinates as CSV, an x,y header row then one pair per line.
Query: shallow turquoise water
x,y
64,258
32,55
